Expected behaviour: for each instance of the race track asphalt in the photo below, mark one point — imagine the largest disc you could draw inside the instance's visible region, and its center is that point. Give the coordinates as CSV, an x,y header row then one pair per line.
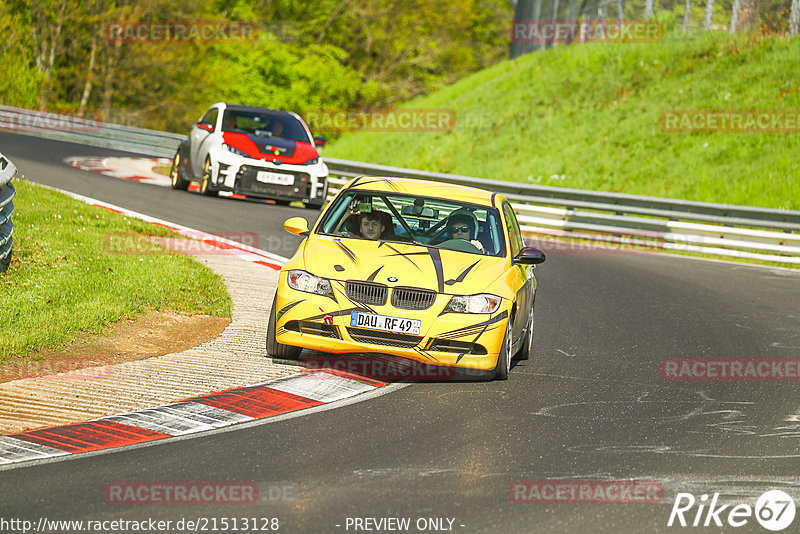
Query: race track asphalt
x,y
589,405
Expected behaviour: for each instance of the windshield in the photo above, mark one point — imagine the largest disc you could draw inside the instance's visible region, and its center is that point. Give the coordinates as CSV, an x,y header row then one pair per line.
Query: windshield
x,y
421,220
264,124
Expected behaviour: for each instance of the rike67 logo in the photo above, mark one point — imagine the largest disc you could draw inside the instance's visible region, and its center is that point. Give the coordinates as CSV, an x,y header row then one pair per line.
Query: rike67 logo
x,y
774,511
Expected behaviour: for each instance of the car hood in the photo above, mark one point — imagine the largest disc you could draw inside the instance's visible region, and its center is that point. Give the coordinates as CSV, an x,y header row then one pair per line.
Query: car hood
x,y
284,150
445,271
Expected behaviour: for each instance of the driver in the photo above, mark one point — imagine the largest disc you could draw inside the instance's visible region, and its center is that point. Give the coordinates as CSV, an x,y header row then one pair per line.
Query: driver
x,y
371,224
228,122
462,224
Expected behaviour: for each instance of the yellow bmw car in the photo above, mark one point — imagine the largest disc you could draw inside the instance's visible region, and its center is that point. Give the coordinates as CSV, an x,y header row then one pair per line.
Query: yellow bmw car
x,y
435,273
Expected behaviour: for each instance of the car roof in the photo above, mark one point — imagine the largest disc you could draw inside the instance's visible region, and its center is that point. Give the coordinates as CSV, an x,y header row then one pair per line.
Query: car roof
x,y
236,107
424,188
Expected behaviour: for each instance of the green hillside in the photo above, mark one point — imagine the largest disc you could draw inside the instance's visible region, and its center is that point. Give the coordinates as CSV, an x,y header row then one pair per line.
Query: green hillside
x,y
587,116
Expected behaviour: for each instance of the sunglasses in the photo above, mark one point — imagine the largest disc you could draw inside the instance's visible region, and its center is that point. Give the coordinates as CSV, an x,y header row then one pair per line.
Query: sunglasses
x,y
459,228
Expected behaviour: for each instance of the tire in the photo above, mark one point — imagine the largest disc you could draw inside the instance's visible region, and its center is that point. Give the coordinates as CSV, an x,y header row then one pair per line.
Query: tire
x,y
5,262
275,349
311,206
527,347
504,358
177,180
205,181
280,202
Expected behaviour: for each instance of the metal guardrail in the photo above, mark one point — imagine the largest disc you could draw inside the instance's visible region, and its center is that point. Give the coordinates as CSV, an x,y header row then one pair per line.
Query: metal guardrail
x,y
7,192
577,217
584,220
89,132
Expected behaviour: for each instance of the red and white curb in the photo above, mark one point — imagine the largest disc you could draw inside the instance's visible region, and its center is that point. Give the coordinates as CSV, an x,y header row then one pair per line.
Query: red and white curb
x,y
280,396
135,169
226,246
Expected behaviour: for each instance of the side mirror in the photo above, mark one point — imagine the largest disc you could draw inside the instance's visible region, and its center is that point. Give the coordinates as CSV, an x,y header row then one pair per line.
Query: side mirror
x,y
529,256
207,126
320,141
296,226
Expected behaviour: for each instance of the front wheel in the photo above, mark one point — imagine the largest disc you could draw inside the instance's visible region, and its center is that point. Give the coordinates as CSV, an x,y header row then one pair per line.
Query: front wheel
x,y
504,358
205,182
177,181
275,349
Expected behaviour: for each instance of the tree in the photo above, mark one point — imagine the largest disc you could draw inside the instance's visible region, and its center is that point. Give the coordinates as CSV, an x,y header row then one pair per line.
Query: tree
x,y
709,13
648,9
687,10
748,14
794,18
47,18
734,16
523,12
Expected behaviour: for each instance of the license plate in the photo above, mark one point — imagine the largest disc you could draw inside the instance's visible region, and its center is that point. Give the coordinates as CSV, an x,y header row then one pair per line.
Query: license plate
x,y
385,323
267,177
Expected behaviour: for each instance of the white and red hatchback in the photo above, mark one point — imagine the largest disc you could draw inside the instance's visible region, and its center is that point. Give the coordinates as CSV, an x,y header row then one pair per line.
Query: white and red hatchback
x,y
256,152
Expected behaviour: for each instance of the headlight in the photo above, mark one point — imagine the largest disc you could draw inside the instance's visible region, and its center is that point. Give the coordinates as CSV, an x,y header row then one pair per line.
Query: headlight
x,y
307,282
483,303
236,151
312,161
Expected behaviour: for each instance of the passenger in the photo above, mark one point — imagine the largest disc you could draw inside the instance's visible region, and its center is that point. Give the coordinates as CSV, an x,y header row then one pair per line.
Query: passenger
x,y
462,224
276,128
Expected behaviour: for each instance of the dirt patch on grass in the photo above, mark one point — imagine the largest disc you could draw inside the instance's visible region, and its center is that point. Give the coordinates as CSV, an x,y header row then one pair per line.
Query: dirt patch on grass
x,y
152,334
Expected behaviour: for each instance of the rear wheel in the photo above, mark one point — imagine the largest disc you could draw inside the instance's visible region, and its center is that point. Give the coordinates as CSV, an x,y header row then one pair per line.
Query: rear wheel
x,y
275,349
176,174
527,346
205,182
504,358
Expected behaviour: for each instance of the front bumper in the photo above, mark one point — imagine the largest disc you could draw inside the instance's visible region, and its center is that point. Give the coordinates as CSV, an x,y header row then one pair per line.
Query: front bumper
x,y
237,174
466,341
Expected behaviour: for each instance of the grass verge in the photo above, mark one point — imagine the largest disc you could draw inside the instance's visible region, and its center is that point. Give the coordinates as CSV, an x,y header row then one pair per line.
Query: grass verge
x,y
588,116
64,279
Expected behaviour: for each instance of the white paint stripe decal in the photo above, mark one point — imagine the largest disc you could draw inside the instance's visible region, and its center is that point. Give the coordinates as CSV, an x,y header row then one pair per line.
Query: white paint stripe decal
x,y
322,387
16,450
179,419
159,421
210,415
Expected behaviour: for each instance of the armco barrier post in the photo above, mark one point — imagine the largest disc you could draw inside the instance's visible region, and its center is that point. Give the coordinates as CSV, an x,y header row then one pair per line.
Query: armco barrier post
x,y
7,192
